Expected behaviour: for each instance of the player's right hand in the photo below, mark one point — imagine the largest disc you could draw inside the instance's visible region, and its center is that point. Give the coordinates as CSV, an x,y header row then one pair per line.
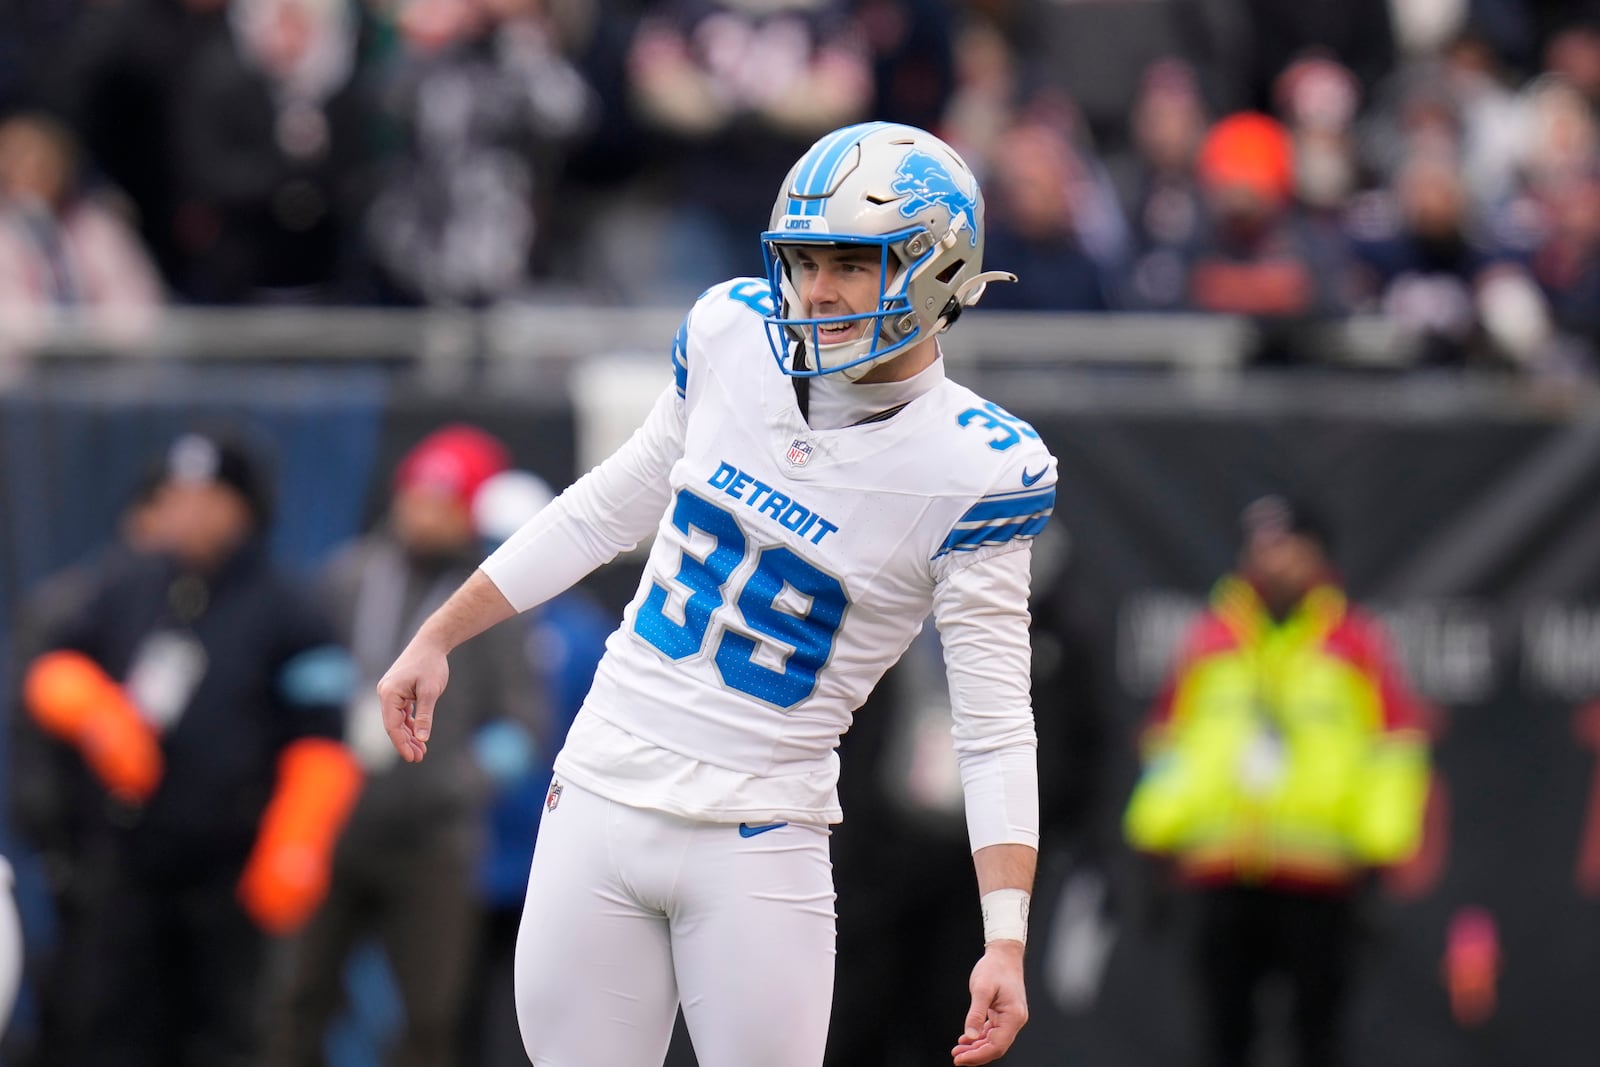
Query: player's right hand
x,y
408,692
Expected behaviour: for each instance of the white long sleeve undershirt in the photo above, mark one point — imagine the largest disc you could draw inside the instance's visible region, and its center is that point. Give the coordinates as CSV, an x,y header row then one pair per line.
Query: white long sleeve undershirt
x,y
603,514
988,663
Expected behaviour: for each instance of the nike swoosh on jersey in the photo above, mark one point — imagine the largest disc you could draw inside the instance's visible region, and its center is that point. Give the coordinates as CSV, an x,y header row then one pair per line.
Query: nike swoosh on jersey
x,y
746,830
1030,479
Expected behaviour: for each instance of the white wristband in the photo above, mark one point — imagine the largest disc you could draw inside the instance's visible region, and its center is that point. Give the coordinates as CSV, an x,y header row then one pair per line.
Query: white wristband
x,y
1005,915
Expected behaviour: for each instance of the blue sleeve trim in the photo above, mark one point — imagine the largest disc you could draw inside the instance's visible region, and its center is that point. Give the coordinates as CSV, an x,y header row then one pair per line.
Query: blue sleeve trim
x,y
991,508
680,358
996,520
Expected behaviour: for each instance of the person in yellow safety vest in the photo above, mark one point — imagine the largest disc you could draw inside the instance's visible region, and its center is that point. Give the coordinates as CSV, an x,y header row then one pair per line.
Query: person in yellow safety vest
x,y
1284,762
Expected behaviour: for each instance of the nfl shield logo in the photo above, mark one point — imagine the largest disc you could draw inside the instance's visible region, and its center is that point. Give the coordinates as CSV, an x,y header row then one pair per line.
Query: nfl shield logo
x,y
799,452
554,798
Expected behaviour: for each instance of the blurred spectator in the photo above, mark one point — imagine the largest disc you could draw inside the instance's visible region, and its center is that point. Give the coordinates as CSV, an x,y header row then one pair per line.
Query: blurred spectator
x,y
201,690
1492,119
269,132
1424,29
1545,218
565,638
1096,52
406,868
1459,102
487,104
65,248
1428,269
912,47
988,87
1157,178
1412,113
733,91
1573,55
1358,34
1566,265
118,83
1317,99
1040,188
1284,761
1257,254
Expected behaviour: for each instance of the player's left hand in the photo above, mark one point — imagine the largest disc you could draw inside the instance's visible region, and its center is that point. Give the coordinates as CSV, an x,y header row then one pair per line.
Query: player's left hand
x,y
999,1005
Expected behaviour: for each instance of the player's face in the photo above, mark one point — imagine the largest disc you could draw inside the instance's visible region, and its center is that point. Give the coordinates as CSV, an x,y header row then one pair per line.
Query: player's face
x,y
838,281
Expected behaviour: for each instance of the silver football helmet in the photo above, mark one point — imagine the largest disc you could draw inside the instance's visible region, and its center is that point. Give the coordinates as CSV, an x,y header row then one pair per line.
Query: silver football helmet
x,y
898,189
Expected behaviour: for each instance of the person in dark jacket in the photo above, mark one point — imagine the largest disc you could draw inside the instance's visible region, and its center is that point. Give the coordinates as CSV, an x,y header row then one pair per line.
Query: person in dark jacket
x,y
56,807
202,691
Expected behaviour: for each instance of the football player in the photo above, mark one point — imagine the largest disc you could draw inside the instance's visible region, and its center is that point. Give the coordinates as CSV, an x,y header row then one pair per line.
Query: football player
x,y
816,488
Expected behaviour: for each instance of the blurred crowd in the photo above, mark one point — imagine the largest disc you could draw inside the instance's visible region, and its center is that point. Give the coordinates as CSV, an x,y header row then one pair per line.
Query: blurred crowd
x,y
1433,161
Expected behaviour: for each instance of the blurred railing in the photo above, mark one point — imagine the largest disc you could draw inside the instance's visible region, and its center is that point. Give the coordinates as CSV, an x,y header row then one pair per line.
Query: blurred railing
x,y
545,351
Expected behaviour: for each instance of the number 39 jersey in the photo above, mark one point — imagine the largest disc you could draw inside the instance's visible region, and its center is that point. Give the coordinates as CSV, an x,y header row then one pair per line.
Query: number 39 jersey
x,y
791,569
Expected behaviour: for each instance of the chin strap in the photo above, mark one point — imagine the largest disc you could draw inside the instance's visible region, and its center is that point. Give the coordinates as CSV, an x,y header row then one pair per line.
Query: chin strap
x,y
802,385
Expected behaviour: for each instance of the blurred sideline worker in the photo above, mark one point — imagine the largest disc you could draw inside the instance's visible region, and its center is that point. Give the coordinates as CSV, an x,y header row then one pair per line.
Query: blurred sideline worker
x,y
816,488
57,806
1285,761
405,870
565,638
202,691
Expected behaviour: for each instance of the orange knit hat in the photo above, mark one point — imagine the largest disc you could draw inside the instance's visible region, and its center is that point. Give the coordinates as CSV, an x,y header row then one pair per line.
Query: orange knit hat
x,y
1250,149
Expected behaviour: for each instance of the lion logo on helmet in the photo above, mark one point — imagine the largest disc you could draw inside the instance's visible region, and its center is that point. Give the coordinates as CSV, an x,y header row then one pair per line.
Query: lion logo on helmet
x,y
926,182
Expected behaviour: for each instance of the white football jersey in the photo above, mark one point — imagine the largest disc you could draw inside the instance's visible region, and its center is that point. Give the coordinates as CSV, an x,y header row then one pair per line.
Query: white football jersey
x,y
791,569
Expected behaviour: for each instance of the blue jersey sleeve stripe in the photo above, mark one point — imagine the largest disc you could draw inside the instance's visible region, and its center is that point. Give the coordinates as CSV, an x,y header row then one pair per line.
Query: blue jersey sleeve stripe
x,y
990,509
968,540
680,358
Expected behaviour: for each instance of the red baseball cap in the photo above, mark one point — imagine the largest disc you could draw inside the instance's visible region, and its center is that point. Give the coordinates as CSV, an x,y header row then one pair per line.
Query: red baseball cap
x,y
455,459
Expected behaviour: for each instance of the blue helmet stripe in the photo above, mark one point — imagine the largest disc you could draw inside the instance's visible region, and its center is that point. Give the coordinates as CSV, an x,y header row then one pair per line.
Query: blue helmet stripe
x,y
827,157
826,161
808,170
839,155
808,166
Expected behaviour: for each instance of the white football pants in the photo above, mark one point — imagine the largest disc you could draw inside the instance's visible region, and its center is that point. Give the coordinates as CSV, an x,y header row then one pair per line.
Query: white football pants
x,y
630,910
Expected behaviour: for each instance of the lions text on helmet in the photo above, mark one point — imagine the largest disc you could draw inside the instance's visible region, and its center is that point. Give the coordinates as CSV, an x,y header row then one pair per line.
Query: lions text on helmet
x,y
875,246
